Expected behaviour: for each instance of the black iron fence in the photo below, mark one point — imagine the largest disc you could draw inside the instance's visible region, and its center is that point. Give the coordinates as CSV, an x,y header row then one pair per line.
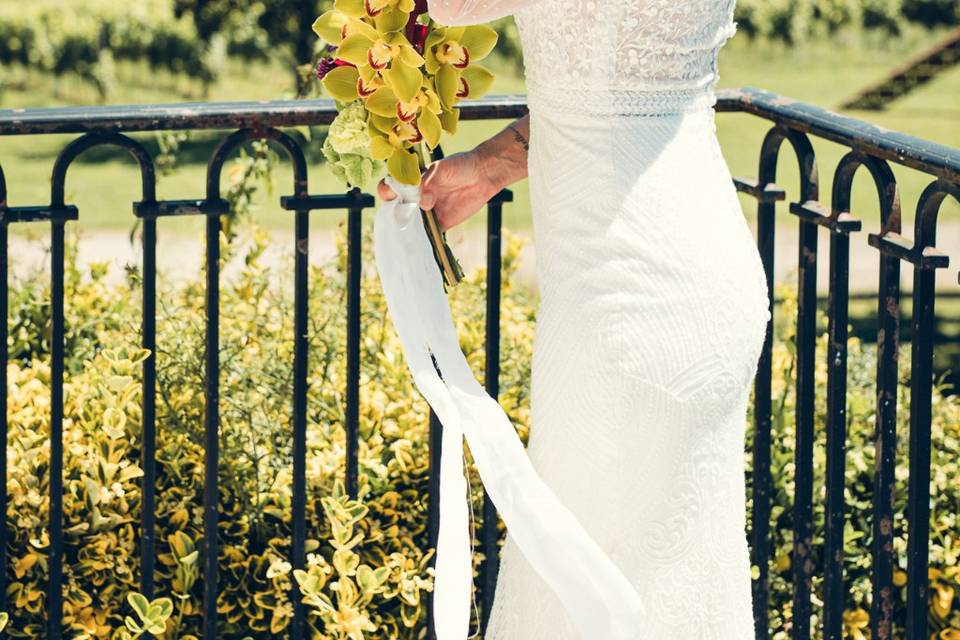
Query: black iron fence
x,y
792,122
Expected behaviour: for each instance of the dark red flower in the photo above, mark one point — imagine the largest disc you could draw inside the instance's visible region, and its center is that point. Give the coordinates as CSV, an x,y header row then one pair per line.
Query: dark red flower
x,y
343,63
417,33
419,37
325,66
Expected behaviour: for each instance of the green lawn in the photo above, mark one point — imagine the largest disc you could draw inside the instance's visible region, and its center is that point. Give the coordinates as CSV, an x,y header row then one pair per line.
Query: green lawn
x,y
822,73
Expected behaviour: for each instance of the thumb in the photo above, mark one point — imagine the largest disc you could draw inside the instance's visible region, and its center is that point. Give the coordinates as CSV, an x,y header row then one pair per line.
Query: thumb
x,y
385,192
428,199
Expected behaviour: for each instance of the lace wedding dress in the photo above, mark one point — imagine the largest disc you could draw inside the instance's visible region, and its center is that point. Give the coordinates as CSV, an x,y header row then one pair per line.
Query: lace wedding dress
x,y
653,309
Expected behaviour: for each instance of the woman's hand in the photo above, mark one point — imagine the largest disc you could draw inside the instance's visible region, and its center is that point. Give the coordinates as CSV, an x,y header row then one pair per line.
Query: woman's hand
x,y
455,187
458,186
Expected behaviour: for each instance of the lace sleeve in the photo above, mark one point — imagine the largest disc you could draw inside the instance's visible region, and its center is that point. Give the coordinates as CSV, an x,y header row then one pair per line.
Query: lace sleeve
x,y
463,12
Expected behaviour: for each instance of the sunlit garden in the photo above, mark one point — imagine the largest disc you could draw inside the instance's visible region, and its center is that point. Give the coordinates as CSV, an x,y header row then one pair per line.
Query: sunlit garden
x,y
368,548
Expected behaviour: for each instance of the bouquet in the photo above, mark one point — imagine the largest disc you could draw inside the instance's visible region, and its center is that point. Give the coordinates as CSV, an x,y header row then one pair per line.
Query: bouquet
x,y
397,77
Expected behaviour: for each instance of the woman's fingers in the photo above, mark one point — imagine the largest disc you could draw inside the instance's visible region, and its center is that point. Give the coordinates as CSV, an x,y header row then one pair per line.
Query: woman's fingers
x,y
428,193
428,199
385,192
431,185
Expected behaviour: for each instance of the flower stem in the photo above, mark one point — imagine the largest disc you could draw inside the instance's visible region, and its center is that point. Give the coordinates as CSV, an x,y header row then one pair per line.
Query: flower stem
x,y
449,266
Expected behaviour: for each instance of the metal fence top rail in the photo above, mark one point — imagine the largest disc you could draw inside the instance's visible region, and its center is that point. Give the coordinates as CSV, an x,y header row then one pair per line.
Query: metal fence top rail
x,y
900,148
212,115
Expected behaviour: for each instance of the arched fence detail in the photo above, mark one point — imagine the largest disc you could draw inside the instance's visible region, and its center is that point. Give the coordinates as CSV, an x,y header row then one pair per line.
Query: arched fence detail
x,y
796,124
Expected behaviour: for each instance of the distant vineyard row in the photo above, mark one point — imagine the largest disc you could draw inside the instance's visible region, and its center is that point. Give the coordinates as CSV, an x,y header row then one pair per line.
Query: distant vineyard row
x,y
85,38
794,20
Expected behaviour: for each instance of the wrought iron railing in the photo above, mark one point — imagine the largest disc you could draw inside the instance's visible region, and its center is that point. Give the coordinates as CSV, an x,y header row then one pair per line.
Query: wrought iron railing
x,y
792,122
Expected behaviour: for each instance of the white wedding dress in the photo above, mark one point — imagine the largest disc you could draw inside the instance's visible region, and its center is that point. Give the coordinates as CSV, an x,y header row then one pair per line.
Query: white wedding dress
x,y
653,309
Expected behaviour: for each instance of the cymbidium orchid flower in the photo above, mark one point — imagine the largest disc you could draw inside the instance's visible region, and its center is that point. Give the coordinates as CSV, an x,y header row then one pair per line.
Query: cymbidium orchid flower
x,y
458,46
405,72
390,140
372,8
390,54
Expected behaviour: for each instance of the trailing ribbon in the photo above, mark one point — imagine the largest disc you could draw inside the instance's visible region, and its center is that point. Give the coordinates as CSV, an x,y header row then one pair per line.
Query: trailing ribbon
x,y
598,598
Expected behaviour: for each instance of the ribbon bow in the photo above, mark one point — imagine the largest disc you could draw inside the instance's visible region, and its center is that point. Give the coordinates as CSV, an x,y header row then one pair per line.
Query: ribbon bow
x,y
599,599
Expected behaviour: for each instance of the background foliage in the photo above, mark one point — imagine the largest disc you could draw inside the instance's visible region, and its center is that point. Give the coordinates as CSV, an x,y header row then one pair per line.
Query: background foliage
x,y
858,538
69,39
793,20
102,442
193,37
376,581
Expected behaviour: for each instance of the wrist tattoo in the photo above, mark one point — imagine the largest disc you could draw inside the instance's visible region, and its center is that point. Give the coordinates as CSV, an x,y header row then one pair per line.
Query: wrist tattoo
x,y
519,137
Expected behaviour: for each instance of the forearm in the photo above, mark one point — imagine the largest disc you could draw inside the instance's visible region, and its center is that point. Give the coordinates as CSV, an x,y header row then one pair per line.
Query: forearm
x,y
503,158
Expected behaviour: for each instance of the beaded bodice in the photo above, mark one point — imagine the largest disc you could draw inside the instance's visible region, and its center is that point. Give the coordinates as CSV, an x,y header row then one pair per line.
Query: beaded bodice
x,y
608,56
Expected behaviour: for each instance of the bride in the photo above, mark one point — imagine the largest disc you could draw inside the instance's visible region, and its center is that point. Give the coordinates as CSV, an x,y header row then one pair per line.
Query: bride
x,y
653,302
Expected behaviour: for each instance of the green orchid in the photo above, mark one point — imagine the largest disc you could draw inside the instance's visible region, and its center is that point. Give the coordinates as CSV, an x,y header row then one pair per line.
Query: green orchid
x,y
458,46
448,54
372,8
333,27
426,99
390,140
407,92
389,54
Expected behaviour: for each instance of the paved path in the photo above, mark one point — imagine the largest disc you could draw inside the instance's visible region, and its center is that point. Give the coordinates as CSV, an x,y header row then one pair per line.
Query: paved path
x,y
179,256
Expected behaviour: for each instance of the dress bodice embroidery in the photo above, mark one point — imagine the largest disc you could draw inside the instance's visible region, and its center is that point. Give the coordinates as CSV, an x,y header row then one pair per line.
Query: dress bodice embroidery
x,y
600,56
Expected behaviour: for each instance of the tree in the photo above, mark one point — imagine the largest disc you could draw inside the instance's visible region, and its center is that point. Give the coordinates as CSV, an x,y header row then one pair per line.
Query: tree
x,y
285,24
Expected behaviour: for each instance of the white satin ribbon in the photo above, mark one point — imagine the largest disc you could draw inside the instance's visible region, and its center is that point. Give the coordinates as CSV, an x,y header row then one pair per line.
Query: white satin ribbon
x,y
599,599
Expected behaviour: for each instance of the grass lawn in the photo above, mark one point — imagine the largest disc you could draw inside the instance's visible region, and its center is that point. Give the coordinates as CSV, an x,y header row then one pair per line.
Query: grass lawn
x,y
103,184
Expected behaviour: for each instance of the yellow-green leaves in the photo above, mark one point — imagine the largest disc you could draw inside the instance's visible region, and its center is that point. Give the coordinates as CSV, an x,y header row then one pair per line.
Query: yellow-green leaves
x,y
390,20
380,147
448,82
383,102
375,7
352,8
430,127
151,616
449,118
404,80
479,41
475,82
341,84
404,167
329,27
355,49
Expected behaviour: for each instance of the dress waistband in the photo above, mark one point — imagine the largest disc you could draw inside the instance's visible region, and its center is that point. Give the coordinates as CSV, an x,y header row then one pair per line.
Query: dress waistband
x,y
619,102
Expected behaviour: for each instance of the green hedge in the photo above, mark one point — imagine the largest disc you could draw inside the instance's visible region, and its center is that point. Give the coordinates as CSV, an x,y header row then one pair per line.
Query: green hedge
x,y
367,560
102,498
858,538
796,20
86,39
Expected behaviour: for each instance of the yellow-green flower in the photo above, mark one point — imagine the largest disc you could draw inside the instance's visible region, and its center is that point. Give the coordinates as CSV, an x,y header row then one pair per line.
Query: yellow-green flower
x,y
855,624
475,81
390,140
390,54
426,99
448,54
333,27
458,46
372,8
408,97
